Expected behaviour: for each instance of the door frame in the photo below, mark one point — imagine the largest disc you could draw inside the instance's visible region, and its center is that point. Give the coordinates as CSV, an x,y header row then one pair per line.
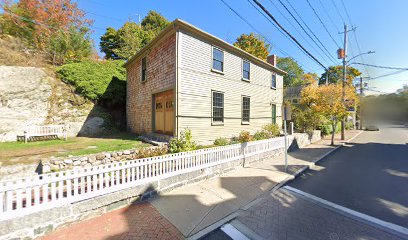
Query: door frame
x,y
153,121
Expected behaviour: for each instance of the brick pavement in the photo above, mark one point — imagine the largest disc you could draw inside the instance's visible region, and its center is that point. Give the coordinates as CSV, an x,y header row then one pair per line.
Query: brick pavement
x,y
138,221
284,216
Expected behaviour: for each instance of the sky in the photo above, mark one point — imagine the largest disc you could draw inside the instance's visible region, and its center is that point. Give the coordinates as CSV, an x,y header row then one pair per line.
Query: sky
x,y
380,26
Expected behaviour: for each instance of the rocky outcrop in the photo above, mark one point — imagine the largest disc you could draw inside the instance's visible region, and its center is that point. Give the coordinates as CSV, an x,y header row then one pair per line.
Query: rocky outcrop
x,y
33,96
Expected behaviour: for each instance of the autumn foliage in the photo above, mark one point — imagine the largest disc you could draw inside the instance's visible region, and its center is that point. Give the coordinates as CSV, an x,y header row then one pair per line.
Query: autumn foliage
x,y
326,101
254,45
41,22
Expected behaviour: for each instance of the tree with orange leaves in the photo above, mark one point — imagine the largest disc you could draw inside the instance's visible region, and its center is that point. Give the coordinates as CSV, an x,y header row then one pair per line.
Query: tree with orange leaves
x,y
42,22
326,100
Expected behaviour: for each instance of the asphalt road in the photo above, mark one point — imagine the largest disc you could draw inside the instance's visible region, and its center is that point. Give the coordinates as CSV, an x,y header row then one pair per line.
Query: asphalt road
x,y
369,175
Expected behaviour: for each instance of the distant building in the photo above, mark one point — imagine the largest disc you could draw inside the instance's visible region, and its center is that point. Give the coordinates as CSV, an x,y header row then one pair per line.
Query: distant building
x,y
292,94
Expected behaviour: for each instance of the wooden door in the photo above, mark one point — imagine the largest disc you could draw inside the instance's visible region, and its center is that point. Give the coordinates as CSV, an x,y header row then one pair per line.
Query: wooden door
x,y
164,115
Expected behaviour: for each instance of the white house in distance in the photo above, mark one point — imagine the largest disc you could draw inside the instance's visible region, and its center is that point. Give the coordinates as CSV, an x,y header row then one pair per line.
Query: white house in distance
x,y
187,78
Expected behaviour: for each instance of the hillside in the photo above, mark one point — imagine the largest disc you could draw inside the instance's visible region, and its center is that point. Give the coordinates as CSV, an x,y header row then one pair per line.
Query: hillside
x,y
31,94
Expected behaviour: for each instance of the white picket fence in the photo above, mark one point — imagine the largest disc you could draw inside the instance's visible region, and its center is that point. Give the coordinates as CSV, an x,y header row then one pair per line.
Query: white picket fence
x,y
24,196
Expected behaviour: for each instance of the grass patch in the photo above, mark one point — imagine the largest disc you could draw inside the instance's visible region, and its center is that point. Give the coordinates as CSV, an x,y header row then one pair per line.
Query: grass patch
x,y
19,152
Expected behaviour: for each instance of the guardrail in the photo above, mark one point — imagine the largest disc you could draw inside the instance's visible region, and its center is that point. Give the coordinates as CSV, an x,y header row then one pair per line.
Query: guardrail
x,y
24,196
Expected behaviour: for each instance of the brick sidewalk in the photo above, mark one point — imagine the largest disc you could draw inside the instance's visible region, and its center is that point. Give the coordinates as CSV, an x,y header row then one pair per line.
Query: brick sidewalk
x,y
139,221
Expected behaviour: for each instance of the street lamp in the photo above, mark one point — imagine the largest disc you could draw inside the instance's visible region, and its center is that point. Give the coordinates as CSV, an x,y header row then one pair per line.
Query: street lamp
x,y
358,55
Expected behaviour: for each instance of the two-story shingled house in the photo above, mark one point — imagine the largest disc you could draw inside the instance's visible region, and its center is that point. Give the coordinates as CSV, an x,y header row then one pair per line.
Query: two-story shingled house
x,y
187,78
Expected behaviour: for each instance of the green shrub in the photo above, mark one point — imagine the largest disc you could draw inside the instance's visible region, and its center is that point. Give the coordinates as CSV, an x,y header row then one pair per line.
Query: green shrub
x,y
103,81
349,125
244,136
273,129
221,141
259,135
326,129
234,140
183,143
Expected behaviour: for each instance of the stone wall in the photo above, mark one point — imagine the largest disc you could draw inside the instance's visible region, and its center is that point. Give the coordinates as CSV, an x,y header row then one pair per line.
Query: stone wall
x,y
37,224
304,139
72,162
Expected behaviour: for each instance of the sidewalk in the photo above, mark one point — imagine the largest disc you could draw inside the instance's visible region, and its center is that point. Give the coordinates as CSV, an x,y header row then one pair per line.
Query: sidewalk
x,y
196,209
199,208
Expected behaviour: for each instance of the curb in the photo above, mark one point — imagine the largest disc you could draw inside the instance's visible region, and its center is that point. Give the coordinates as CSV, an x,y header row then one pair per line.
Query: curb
x,y
232,216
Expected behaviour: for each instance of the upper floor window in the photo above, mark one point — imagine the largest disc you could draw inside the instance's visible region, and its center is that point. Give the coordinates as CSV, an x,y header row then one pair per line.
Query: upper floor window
x,y
218,60
144,73
246,70
246,106
217,107
273,83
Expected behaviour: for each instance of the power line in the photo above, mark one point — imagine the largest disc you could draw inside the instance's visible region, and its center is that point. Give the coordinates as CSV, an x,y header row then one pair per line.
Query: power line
x,y
324,25
262,35
376,66
307,26
345,9
286,36
290,35
328,16
290,13
338,11
386,75
300,34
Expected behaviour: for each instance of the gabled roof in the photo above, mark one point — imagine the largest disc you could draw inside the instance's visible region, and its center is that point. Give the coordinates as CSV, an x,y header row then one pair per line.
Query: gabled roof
x,y
191,29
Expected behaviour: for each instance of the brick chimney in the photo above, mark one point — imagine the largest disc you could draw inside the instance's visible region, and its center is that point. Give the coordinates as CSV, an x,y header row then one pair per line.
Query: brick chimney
x,y
271,59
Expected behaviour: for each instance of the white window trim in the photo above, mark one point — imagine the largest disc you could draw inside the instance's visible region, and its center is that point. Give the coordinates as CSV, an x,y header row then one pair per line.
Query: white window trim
x,y
212,59
242,110
242,70
212,109
276,81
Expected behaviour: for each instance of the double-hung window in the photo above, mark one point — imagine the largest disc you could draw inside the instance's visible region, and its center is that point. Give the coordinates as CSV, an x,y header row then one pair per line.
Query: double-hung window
x,y
273,81
144,73
218,60
273,113
246,70
217,107
246,109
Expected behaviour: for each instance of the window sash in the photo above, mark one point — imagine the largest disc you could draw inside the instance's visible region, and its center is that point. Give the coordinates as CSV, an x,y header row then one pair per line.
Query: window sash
x,y
246,109
246,69
218,59
218,107
273,84
273,113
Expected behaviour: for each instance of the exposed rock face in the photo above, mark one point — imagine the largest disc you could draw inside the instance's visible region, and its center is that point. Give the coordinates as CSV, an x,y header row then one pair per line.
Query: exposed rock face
x,y
30,96
24,94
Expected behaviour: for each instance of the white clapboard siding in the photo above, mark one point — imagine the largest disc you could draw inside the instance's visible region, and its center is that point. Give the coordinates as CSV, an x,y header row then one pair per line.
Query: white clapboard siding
x,y
32,194
196,81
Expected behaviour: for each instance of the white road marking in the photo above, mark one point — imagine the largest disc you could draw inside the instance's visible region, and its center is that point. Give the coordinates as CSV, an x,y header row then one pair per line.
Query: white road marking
x,y
387,226
233,233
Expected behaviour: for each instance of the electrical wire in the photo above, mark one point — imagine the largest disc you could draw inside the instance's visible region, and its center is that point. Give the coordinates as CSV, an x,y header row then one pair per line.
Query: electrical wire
x,y
384,67
327,53
324,25
288,33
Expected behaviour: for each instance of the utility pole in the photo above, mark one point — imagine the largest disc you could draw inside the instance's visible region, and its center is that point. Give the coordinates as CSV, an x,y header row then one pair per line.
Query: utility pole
x,y
343,95
361,103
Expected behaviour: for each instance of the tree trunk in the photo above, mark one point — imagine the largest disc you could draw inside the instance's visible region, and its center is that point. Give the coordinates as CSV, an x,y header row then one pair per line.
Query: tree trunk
x,y
334,123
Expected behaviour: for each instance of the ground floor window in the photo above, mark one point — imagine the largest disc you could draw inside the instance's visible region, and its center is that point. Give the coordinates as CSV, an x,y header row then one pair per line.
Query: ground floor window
x,y
246,105
273,113
217,107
